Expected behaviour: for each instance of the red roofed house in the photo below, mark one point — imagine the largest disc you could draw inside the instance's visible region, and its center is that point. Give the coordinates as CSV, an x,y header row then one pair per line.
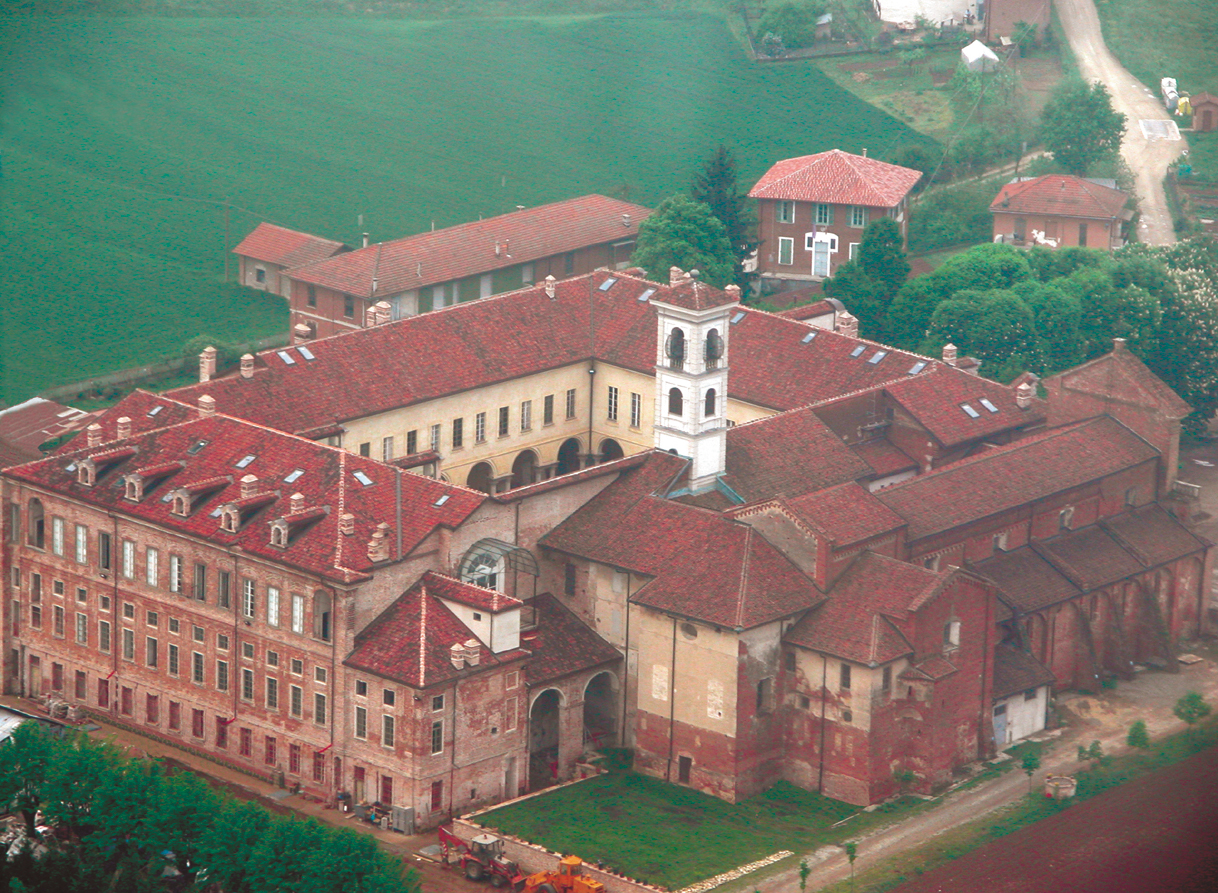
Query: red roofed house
x,y
462,263
1057,211
269,250
811,210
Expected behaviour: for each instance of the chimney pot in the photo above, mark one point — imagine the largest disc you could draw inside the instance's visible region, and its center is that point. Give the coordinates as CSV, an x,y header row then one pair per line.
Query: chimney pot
x,y
847,324
1024,394
950,354
626,221
94,434
364,237
369,317
473,652
207,405
247,365
124,428
456,653
207,364
383,312
550,280
297,502
675,275
249,486
301,332
346,524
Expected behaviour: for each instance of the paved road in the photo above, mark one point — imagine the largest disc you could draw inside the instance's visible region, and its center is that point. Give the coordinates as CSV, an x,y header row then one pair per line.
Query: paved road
x,y
1147,157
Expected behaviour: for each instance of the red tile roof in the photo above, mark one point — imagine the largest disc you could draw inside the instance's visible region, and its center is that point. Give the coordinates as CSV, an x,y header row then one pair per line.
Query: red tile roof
x,y
480,246
561,643
410,642
1011,476
937,397
490,600
838,178
1121,377
693,294
846,514
286,247
330,478
1155,536
1016,671
1030,582
884,458
28,425
1059,195
1089,557
933,668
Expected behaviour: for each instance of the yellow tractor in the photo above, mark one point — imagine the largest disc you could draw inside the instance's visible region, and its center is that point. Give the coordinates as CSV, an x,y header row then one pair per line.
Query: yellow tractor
x,y
568,879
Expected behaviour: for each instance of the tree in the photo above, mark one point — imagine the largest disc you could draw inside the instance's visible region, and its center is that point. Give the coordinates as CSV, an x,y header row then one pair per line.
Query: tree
x,y
24,761
1080,127
1192,708
684,233
1030,763
794,23
881,254
716,187
804,870
852,852
1138,736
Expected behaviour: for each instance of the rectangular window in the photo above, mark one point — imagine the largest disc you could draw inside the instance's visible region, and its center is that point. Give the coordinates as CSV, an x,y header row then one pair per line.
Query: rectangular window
x,y
361,722
636,410
319,709
480,428
568,586
272,658
571,403
786,251
858,216
784,212
126,700
196,723
348,306
389,696
1082,235
82,595
103,692
387,731
458,433
611,408
248,602
15,613
222,642
221,732
272,693
294,759
58,588
296,701
270,751
200,590
152,569
311,296
361,688
296,666
246,743
824,215
247,684
437,796
319,767
504,421
298,613
365,449
509,718
845,677
152,654
82,629
272,606
57,535
82,544
547,410
224,589
128,644
437,703
387,449
104,555
526,415
152,709
128,559
319,675
175,716
36,588
35,617
196,670
174,660
152,618
103,636
221,675
412,442
854,249
437,736
104,602
197,633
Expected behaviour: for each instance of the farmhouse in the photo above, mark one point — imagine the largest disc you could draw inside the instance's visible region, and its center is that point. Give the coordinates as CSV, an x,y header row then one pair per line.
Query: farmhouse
x,y
1057,211
269,251
812,211
750,548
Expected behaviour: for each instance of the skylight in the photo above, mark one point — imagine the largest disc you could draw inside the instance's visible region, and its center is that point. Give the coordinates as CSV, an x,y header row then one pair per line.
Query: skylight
x,y
807,339
647,293
969,411
305,352
71,468
363,478
294,476
196,447
917,367
154,411
739,316
439,502
246,461
286,357
858,351
168,496
877,356
215,513
985,401
608,283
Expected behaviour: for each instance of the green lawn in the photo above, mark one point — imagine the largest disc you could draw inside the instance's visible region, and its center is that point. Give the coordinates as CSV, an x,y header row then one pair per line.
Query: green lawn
x,y
673,836
1163,38
121,135
1203,157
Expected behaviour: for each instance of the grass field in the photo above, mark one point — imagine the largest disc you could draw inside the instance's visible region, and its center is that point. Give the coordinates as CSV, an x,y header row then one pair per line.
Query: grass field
x,y
674,836
1163,38
122,135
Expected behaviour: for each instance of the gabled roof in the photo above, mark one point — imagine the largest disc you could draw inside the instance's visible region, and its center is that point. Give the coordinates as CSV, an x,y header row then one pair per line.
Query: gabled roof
x,y
214,450
1027,579
1014,475
1059,195
454,590
561,643
846,514
839,178
883,457
694,294
411,641
937,399
1120,377
28,425
445,255
1016,671
286,247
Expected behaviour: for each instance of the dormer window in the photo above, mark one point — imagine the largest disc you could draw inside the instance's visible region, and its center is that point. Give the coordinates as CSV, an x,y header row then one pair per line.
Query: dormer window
x,y
230,519
279,534
86,473
1064,519
181,503
134,485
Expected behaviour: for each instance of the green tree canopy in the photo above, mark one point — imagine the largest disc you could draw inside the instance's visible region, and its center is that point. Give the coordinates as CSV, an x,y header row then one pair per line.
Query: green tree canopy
x,y
794,23
1080,127
684,233
867,284
716,186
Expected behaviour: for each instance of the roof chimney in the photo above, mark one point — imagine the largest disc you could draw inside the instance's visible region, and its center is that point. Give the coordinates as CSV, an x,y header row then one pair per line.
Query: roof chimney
x,y
1119,344
124,428
364,236
247,365
497,248
369,317
297,502
675,275
733,290
847,324
626,221
1024,394
207,406
383,312
301,332
473,652
249,486
864,153
550,287
93,434
346,524
207,364
950,354
456,653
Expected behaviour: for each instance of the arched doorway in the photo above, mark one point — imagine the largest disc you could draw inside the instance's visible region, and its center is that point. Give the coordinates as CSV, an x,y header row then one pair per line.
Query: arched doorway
x,y
568,457
600,712
543,739
524,469
480,477
610,450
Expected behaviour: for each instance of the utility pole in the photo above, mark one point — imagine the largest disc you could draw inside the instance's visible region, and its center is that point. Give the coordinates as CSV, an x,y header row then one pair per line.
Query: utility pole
x,y
226,238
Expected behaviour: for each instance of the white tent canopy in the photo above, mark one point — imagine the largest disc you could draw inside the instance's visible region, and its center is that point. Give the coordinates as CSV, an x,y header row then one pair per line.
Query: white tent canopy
x,y
978,57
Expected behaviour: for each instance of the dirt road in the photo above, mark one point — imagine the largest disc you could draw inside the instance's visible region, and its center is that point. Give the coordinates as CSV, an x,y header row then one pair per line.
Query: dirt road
x,y
1146,151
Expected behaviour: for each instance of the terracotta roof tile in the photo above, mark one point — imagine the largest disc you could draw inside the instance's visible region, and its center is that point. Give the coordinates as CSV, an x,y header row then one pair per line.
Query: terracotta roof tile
x,y
693,294
1153,534
286,247
28,425
839,178
883,457
846,514
1027,579
1016,671
442,586
1123,378
937,397
1089,557
1059,195
561,643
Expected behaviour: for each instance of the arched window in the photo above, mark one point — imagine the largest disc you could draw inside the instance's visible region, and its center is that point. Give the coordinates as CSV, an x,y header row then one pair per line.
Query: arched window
x,y
230,519
676,402
279,534
322,606
710,403
675,349
37,526
714,349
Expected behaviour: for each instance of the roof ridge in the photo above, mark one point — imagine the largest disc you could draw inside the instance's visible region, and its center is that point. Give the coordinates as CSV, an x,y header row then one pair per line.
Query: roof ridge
x,y
424,598
744,575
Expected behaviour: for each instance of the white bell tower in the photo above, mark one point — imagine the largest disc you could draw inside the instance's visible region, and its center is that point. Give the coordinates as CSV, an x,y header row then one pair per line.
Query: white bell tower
x,y
691,373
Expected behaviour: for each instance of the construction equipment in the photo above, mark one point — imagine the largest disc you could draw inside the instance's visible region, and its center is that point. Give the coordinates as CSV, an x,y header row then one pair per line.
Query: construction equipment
x,y
568,879
482,859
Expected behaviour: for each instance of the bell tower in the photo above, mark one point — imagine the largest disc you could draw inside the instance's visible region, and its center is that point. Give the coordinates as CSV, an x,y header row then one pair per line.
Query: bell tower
x,y
691,373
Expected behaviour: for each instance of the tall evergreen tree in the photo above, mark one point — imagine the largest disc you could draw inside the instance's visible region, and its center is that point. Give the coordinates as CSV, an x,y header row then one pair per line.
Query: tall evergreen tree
x,y
716,186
